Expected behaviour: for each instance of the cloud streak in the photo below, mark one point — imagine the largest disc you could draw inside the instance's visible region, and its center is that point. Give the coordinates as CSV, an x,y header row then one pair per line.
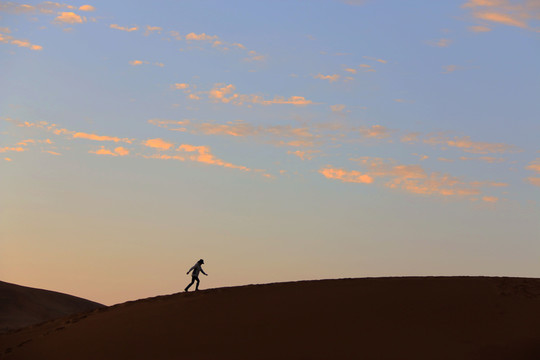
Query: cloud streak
x,y
330,78
124,28
69,18
351,176
279,135
158,144
227,94
503,12
410,178
466,144
119,151
20,43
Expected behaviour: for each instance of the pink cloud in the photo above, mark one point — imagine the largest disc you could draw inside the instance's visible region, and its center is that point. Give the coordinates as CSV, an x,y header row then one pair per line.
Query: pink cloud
x,y
158,144
346,176
70,18
87,8
203,155
81,135
124,28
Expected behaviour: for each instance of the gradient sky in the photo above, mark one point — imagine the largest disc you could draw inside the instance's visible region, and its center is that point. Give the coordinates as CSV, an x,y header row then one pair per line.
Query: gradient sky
x,y
278,140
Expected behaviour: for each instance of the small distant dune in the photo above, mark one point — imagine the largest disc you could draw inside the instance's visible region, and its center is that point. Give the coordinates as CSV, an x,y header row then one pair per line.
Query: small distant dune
x,y
409,318
22,306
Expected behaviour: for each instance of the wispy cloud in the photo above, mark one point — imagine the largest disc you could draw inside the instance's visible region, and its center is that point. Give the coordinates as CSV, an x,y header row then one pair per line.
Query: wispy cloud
x,y
367,68
21,43
184,152
218,43
239,129
26,44
87,8
12,148
330,78
517,13
137,62
304,154
238,45
94,137
280,135
119,151
168,124
124,28
351,176
180,86
254,56
487,159
33,141
338,108
534,165
376,132
69,18
466,144
479,28
450,68
533,180
200,37
414,179
440,42
292,100
375,59
502,19
227,94
144,62
158,144
46,7
412,137
203,154
152,29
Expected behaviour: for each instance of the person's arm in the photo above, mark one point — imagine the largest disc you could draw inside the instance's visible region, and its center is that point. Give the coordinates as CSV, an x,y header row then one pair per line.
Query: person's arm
x,y
190,270
204,272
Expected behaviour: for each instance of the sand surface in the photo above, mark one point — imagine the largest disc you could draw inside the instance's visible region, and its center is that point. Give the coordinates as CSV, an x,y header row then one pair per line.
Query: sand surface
x,y
433,318
22,306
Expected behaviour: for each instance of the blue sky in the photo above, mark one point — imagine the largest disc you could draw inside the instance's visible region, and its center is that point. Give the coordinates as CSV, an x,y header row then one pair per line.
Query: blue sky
x,y
279,140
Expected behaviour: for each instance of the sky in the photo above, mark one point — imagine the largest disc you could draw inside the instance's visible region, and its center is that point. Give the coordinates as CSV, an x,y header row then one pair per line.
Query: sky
x,y
277,140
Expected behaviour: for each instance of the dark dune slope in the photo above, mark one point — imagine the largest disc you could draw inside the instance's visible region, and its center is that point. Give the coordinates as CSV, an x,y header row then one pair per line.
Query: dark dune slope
x,y
22,306
381,318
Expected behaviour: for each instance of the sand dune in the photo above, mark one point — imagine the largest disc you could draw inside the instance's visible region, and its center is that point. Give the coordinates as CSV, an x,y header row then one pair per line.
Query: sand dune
x,y
22,306
377,318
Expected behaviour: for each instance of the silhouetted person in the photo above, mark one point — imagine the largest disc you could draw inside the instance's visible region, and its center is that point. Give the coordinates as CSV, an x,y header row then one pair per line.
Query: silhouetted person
x,y
195,274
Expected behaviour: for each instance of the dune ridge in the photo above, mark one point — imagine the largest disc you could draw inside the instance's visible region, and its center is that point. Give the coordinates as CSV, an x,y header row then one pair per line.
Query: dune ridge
x,y
22,306
368,318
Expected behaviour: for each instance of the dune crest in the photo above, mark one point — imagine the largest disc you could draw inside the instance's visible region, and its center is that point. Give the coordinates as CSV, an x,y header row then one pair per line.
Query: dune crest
x,y
22,306
374,318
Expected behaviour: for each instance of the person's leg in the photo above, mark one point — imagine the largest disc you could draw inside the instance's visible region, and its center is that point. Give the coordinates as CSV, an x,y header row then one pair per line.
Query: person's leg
x,y
197,286
191,283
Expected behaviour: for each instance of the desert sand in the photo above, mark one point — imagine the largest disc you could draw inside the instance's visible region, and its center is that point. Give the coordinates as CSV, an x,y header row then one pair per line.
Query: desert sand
x,y
22,306
456,318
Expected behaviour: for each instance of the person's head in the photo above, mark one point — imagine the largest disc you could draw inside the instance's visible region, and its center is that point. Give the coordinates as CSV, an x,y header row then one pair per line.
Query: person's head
x,y
201,261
